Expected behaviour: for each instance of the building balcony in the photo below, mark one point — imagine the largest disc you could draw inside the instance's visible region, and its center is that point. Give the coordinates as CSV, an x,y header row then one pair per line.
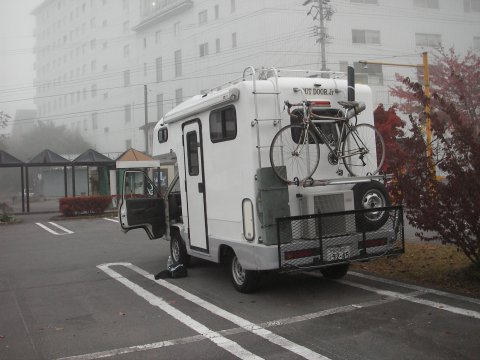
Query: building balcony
x,y
156,11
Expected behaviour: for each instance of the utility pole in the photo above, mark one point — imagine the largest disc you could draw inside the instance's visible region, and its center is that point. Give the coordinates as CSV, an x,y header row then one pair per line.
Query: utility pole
x,y
145,95
321,10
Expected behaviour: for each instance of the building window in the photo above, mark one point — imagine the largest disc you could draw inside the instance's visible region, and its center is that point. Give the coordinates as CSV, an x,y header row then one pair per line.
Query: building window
x,y
471,5
217,45
128,144
364,1
128,113
93,44
178,63
94,90
372,74
94,121
203,49
176,29
217,12
105,45
178,96
126,78
145,66
158,36
234,40
223,124
85,126
202,17
428,4
158,67
428,40
365,36
233,6
105,68
126,27
126,51
476,43
144,42
159,106
93,23
343,66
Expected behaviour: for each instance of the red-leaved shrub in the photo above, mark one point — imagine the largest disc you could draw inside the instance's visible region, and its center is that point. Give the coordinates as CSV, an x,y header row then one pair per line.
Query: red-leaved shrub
x,y
74,206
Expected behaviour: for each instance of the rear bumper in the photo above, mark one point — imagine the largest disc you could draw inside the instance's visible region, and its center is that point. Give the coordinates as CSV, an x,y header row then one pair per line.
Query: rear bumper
x,y
315,241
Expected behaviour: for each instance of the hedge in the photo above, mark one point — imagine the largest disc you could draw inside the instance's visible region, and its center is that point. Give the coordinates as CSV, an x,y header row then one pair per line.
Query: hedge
x,y
79,205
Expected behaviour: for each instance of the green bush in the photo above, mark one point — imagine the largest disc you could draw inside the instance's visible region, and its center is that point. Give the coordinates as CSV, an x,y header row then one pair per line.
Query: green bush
x,y
81,205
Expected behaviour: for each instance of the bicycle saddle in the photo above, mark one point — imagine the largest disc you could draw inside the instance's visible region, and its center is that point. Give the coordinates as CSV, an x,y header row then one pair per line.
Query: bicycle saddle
x,y
348,104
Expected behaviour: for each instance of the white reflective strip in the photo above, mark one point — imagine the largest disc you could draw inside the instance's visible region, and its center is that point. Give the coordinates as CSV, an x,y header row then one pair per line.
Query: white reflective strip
x,y
434,304
61,228
48,229
243,323
221,341
110,219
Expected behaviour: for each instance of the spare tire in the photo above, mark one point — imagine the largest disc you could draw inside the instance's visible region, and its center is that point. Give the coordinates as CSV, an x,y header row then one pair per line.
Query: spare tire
x,y
370,195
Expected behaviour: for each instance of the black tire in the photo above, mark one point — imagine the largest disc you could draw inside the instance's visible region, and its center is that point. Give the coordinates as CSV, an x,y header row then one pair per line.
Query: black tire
x,y
290,159
358,158
370,195
244,281
178,250
335,272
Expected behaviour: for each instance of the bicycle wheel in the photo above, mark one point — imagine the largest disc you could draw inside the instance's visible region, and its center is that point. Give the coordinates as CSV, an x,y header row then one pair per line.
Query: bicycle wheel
x,y
294,153
363,150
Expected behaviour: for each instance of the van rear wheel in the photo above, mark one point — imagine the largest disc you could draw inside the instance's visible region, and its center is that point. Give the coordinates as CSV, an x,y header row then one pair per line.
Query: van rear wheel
x,y
245,281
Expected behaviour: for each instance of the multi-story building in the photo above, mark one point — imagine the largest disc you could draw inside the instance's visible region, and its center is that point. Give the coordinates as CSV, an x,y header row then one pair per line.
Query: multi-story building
x,y
110,68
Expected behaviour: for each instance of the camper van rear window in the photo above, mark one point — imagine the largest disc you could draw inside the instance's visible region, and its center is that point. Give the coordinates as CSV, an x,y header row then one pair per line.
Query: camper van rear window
x,y
162,135
223,124
329,128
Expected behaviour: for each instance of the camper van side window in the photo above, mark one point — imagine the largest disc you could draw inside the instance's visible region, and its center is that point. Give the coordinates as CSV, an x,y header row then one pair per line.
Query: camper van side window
x,y
162,135
223,124
192,153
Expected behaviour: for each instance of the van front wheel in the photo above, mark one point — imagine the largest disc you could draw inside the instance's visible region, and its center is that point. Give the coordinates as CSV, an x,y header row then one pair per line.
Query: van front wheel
x,y
178,250
245,281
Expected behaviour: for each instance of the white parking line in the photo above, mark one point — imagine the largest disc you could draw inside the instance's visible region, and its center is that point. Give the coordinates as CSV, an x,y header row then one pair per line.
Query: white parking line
x,y
112,219
232,331
243,323
44,227
415,287
61,228
221,341
434,304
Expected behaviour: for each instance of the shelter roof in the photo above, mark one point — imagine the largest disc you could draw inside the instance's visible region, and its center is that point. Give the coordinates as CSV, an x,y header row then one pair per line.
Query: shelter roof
x,y
135,159
7,160
92,157
48,158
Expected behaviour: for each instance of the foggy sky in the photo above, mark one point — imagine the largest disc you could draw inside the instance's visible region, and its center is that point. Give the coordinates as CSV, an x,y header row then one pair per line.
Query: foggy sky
x,y
16,54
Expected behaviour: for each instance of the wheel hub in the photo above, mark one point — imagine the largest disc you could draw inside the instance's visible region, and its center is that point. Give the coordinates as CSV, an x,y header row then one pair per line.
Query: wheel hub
x,y
238,271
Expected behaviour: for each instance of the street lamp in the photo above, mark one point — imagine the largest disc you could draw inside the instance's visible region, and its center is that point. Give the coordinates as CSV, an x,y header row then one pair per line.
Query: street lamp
x,y
426,80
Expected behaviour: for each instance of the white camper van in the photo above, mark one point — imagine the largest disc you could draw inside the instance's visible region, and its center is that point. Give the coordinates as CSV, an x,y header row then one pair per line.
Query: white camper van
x,y
226,204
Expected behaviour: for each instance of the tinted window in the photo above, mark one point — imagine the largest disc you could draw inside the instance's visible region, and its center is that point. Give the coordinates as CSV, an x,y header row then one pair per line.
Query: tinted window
x,y
223,124
192,154
328,128
162,135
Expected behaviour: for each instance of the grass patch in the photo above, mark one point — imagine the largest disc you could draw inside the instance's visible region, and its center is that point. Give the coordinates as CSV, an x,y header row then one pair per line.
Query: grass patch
x,y
429,264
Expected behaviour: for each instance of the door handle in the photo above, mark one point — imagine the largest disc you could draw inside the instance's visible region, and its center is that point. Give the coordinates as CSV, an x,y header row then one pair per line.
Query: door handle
x,y
201,187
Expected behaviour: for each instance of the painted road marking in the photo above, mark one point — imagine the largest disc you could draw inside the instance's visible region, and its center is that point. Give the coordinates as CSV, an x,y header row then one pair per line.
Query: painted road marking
x,y
232,331
243,323
397,295
67,232
416,287
221,341
112,219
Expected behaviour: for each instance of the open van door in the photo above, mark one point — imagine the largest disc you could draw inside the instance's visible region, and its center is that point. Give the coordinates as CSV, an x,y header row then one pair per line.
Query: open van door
x,y
141,205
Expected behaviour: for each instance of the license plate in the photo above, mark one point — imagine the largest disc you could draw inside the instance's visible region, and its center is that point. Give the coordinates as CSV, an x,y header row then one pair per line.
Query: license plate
x,y
338,253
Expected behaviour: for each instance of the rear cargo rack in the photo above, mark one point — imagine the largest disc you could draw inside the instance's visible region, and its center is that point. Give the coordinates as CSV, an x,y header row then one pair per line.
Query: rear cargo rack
x,y
314,241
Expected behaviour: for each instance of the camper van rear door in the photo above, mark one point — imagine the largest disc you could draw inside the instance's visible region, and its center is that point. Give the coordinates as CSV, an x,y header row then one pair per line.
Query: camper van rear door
x,y
141,205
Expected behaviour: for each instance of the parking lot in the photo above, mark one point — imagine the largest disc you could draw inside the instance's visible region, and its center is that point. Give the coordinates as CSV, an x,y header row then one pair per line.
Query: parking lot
x,y
81,289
